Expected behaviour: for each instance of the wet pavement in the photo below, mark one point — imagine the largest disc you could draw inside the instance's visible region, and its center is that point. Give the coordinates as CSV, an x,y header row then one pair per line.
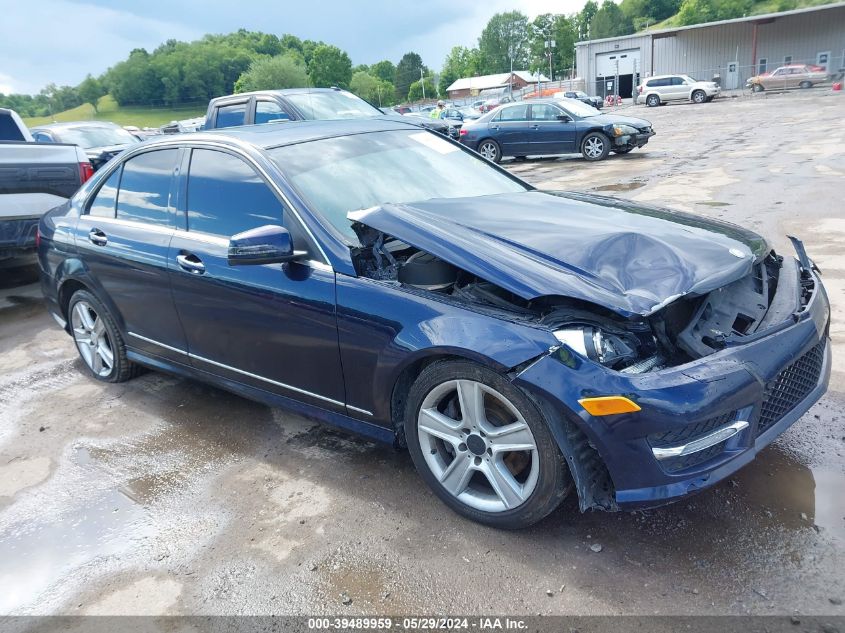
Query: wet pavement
x,y
165,496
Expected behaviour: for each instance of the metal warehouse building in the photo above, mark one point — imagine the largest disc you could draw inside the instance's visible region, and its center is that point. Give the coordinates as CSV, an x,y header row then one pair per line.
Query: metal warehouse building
x,y
732,49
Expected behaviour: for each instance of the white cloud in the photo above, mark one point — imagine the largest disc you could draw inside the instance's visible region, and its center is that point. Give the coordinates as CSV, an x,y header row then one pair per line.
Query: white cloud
x,y
60,41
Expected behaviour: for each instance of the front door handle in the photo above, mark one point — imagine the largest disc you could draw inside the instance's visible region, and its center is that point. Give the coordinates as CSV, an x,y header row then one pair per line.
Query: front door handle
x,y
97,237
535,127
495,128
190,263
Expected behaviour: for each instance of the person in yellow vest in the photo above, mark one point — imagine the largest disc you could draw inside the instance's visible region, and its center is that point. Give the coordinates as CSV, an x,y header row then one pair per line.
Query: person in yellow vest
x,y
438,111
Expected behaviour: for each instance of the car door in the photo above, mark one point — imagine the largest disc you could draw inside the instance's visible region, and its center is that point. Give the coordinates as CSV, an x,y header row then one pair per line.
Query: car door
x,y
777,80
123,237
510,128
677,89
549,134
269,326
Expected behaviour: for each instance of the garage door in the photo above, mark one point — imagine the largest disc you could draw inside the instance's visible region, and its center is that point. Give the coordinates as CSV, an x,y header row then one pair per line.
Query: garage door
x,y
627,60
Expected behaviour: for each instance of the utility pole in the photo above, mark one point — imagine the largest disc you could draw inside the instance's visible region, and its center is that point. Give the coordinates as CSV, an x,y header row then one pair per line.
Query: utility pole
x,y
422,83
550,49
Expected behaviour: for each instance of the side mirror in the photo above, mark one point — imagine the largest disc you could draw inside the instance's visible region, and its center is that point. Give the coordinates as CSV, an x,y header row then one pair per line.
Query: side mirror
x,y
270,244
564,118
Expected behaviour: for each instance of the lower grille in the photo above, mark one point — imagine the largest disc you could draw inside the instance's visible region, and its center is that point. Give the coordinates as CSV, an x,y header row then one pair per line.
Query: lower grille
x,y
674,464
791,386
690,432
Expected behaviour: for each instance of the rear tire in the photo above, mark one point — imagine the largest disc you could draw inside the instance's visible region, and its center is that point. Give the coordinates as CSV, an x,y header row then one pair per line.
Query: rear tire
x,y
447,446
595,146
98,339
652,101
699,96
490,150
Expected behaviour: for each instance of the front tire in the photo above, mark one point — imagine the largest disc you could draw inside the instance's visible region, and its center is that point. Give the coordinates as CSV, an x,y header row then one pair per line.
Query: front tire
x,y
482,446
595,146
490,150
652,101
805,85
699,96
757,88
98,339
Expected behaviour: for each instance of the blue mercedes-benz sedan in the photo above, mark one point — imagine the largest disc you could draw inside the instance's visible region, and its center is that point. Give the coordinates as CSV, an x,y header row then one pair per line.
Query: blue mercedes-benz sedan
x,y
383,279
553,126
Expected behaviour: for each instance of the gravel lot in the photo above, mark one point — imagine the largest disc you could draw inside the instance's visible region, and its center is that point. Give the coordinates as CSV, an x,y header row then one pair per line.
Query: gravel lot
x,y
163,495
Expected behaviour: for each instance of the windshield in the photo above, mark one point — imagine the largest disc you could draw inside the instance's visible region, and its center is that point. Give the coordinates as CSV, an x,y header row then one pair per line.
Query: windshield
x,y
581,95
327,106
95,136
350,173
577,108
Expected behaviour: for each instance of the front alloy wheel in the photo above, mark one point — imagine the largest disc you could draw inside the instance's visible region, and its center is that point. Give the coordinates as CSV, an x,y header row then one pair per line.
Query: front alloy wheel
x,y
699,96
482,445
595,146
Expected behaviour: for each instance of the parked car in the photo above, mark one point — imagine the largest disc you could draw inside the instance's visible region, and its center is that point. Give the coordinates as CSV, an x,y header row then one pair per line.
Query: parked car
x,y
34,178
101,140
661,89
401,109
583,97
477,104
553,126
303,104
385,280
492,104
787,77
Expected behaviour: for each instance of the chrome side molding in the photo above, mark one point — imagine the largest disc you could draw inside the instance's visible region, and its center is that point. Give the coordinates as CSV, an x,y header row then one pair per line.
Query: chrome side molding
x,y
717,436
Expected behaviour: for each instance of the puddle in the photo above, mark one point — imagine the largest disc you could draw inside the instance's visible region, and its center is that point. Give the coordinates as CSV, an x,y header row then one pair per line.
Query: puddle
x,y
714,203
621,186
36,554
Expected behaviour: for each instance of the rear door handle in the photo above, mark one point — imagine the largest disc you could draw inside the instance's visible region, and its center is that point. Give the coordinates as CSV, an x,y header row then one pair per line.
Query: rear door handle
x,y
97,237
190,263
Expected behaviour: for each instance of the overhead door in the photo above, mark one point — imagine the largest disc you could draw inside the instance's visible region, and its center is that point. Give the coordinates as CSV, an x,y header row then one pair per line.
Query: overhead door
x,y
622,63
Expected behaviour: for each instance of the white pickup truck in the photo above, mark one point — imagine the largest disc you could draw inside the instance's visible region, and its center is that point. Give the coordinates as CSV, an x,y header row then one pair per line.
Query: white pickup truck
x,y
34,178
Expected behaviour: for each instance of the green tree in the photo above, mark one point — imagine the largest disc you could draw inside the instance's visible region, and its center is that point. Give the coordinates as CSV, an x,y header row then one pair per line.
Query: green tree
x,y
584,18
372,89
407,72
133,81
610,21
504,43
272,73
418,89
643,13
460,62
698,11
384,70
330,66
90,91
557,28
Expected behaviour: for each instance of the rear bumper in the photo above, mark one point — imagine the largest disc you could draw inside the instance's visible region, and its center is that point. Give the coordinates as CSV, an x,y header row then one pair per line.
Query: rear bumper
x,y
747,383
17,238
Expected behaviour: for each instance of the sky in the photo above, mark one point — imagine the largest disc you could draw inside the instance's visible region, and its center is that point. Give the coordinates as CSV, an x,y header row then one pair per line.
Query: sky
x,y
60,41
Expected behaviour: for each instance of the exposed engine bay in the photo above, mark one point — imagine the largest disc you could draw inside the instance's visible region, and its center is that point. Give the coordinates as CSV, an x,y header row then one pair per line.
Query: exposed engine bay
x,y
688,328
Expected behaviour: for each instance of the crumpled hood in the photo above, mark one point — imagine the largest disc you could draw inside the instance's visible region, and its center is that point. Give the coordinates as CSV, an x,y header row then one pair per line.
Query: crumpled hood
x,y
629,258
614,119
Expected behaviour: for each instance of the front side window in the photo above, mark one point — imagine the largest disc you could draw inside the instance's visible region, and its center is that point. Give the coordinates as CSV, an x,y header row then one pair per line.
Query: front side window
x,y
144,194
514,113
266,111
226,196
349,173
544,112
231,115
102,206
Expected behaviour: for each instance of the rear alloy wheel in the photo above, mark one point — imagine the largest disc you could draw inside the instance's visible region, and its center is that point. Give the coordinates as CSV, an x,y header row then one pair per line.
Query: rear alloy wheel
x,y
595,146
482,446
699,96
490,150
98,340
652,101
805,85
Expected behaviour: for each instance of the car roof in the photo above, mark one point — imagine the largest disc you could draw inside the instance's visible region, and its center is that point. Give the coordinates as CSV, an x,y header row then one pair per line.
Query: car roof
x,y
269,135
279,91
66,125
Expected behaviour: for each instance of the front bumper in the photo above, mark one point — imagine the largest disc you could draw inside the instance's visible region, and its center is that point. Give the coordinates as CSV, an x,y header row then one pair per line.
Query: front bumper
x,y
632,141
752,383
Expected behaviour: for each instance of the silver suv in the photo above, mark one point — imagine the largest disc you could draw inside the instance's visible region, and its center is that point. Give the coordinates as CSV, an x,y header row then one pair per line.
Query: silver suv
x,y
660,89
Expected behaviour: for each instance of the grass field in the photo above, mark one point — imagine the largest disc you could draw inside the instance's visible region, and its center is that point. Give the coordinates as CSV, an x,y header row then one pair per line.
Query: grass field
x,y
761,7
108,110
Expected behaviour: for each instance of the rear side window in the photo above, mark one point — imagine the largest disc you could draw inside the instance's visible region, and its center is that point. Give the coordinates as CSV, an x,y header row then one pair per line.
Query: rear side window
x,y
266,111
226,196
231,115
514,113
144,194
102,206
9,130
658,83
